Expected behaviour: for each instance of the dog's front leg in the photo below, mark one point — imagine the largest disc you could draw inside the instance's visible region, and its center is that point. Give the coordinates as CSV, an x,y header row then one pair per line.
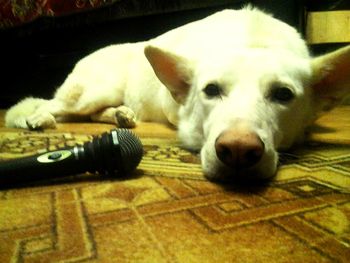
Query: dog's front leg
x,y
122,116
44,115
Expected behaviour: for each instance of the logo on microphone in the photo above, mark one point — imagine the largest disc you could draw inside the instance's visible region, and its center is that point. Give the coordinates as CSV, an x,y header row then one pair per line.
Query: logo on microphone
x,y
55,156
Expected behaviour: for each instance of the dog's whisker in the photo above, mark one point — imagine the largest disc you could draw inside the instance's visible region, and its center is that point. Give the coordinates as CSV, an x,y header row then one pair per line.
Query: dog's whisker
x,y
286,158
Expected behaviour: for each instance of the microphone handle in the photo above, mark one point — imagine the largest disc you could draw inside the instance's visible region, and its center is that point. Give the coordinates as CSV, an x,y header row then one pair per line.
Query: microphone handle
x,y
47,165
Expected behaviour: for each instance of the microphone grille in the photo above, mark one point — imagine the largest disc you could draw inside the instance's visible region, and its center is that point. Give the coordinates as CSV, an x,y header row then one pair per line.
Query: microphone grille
x,y
131,149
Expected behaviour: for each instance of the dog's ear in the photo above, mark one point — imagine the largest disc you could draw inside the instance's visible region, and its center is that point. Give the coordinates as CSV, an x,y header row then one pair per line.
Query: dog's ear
x,y
172,70
331,78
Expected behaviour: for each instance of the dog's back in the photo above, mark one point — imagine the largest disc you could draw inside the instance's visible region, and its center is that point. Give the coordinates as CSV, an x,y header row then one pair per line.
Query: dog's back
x,y
232,29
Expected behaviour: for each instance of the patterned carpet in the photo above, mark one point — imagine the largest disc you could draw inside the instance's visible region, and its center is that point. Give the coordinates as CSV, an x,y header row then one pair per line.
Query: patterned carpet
x,y
167,212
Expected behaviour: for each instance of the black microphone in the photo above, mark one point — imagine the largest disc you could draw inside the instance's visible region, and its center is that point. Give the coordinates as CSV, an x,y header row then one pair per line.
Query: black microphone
x,y
115,153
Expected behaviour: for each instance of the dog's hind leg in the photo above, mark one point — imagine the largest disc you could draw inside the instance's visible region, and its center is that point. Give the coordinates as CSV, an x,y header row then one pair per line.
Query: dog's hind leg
x,y
122,116
89,89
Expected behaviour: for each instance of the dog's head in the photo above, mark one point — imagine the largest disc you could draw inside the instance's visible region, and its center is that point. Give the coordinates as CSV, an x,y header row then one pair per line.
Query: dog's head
x,y
240,108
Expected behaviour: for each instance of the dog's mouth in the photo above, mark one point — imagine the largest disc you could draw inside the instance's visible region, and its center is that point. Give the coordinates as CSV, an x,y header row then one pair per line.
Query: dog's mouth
x,y
245,181
225,174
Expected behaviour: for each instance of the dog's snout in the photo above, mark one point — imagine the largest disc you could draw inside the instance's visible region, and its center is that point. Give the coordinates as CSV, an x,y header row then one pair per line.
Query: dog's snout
x,y
239,149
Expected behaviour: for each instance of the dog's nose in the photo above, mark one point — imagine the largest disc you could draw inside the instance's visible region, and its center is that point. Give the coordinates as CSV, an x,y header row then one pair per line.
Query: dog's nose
x,y
239,149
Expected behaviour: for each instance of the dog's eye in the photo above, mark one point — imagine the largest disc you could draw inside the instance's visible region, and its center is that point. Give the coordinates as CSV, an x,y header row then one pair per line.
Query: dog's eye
x,y
281,94
212,90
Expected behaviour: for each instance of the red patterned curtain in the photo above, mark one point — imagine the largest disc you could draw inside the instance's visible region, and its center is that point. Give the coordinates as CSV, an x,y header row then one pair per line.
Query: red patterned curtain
x,y
17,12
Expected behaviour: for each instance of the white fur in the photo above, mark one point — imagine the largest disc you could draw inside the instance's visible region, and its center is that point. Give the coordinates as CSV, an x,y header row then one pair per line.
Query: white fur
x,y
245,52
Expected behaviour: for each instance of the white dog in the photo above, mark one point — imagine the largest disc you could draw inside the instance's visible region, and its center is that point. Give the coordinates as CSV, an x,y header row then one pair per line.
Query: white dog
x,y
239,85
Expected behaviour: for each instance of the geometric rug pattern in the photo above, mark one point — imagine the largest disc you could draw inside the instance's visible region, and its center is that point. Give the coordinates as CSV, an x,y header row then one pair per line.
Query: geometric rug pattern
x,y
166,211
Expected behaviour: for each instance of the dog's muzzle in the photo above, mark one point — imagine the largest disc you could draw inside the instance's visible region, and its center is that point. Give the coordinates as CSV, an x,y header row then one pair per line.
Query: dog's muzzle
x,y
239,149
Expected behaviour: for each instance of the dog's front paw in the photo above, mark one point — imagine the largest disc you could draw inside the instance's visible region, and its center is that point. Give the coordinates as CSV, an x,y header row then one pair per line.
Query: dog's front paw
x,y
41,121
125,117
